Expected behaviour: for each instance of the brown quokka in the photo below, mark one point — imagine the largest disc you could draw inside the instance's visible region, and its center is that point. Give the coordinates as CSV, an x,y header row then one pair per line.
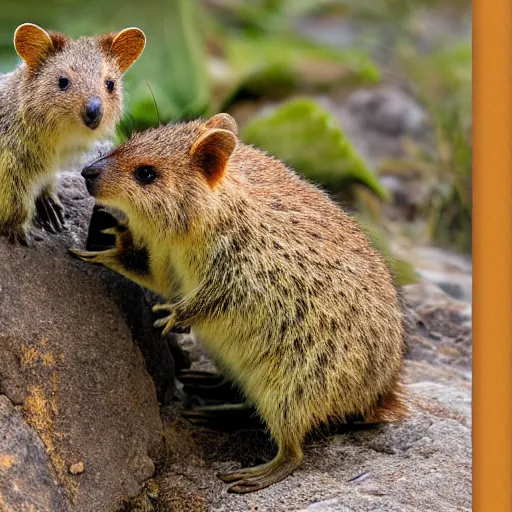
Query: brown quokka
x,y
63,96
278,282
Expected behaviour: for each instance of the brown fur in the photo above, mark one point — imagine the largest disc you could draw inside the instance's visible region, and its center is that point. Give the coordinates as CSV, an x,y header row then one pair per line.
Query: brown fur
x,y
41,125
277,281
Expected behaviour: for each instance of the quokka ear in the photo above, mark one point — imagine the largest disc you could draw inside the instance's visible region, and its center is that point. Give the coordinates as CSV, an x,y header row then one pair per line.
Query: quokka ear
x,y
211,152
126,46
223,121
34,44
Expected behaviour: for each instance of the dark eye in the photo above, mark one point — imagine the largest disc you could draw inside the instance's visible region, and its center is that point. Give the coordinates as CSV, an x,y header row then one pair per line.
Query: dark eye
x,y
110,85
63,83
145,174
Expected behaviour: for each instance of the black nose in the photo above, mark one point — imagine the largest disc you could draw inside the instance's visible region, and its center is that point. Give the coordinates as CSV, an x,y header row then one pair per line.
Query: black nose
x,y
93,112
90,174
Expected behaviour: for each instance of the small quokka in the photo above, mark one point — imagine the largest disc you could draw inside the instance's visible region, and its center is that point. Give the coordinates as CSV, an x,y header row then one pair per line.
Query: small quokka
x,y
278,282
63,96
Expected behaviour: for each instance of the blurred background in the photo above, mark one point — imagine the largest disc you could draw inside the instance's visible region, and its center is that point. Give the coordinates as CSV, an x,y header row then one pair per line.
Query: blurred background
x,y
371,99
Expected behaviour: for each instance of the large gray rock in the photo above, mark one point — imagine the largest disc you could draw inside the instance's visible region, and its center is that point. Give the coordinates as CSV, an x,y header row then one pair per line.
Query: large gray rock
x,y
79,416
442,334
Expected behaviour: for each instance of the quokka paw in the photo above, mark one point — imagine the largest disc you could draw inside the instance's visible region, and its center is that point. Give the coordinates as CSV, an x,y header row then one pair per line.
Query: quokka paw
x,y
18,237
169,321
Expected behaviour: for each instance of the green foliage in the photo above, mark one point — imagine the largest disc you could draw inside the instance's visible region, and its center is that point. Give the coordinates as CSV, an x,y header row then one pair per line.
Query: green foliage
x,y
274,65
263,58
306,137
391,11
256,51
271,16
174,65
268,58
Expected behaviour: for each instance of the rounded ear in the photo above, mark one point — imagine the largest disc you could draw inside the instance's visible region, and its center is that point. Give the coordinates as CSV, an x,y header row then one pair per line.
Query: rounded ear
x,y
127,46
211,152
33,44
223,121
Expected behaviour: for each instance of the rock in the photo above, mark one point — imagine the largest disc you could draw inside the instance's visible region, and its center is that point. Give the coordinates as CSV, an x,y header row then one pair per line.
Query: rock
x,y
388,110
377,119
161,353
336,31
73,384
442,329
411,192
447,270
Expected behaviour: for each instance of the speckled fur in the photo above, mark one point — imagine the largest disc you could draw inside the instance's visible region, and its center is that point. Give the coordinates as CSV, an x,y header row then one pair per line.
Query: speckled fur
x,y
41,125
277,281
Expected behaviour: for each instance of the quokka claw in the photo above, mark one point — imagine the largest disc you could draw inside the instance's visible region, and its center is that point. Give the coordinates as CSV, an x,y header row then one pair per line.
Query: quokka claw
x,y
91,256
163,307
111,231
167,322
162,321
49,214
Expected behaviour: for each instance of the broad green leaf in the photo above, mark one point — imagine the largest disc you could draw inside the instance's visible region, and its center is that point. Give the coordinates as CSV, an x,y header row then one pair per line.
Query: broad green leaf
x,y
254,51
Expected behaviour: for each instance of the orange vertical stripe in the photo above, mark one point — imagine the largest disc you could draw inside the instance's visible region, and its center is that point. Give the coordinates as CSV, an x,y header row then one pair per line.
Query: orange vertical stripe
x,y
492,255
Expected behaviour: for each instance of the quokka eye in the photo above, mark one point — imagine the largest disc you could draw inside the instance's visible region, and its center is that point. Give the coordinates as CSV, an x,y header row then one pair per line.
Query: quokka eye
x,y
63,83
145,174
110,85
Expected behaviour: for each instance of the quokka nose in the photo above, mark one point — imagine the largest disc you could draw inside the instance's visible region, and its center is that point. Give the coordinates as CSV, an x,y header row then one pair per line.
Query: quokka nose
x,y
91,172
93,112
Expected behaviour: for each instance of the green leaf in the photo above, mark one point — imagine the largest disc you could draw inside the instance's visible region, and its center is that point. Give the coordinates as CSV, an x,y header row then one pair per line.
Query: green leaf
x,y
308,139
254,51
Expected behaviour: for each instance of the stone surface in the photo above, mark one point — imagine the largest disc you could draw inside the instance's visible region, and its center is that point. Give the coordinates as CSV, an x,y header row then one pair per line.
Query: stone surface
x,y
73,384
443,328
449,271
26,477
377,119
424,464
